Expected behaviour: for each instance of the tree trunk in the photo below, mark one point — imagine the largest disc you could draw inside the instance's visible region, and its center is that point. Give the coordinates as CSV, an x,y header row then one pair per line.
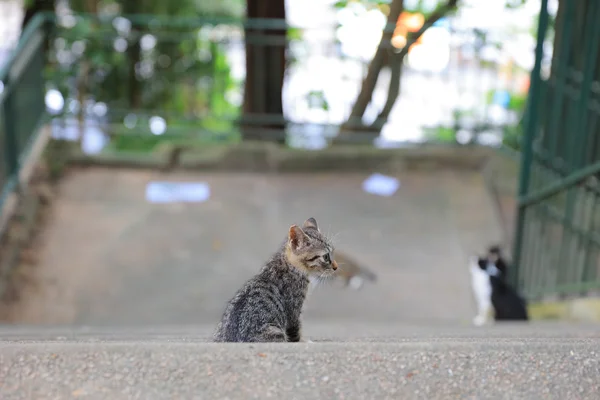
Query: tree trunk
x,y
354,121
134,89
396,60
262,117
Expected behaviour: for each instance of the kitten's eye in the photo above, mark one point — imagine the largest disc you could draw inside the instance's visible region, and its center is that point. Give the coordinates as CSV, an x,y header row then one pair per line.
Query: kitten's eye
x,y
313,258
327,258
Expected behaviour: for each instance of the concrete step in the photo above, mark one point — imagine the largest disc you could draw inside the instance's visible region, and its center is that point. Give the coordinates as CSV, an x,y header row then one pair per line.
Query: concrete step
x,y
550,361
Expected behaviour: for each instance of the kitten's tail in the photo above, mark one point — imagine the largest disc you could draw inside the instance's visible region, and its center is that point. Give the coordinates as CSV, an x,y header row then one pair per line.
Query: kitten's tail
x,y
365,273
355,281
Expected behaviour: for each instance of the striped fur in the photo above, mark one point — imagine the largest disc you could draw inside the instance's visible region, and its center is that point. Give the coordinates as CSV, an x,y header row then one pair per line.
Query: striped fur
x,y
268,306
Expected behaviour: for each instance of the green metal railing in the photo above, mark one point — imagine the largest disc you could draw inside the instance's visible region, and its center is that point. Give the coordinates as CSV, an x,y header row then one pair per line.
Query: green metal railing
x,y
22,106
557,238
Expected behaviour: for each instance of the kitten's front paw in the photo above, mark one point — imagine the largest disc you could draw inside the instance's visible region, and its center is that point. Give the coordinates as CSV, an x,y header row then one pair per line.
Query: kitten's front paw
x,y
479,320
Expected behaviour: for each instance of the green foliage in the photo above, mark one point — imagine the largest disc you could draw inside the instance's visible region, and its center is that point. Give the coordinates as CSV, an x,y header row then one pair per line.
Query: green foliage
x,y
441,134
420,6
515,3
316,99
368,3
513,136
183,134
144,66
517,101
294,33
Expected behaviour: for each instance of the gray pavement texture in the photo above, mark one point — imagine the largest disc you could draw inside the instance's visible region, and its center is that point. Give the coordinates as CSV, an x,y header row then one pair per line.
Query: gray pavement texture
x,y
414,362
111,258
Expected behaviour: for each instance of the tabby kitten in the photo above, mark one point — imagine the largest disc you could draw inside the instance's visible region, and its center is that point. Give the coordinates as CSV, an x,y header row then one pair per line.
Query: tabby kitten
x,y
267,308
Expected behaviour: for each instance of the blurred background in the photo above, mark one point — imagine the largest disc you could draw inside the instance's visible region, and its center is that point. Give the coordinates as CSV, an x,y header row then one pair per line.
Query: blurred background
x,y
166,147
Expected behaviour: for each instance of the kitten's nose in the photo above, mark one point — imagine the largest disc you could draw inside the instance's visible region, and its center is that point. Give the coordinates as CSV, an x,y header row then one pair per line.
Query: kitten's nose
x,y
333,265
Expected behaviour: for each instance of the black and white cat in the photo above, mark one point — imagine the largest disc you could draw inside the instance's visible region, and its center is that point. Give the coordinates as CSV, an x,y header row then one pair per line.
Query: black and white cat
x,y
492,291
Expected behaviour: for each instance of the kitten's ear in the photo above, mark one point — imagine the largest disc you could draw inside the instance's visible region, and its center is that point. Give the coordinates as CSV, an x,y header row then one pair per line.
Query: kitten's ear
x,y
297,237
482,262
501,265
495,249
310,223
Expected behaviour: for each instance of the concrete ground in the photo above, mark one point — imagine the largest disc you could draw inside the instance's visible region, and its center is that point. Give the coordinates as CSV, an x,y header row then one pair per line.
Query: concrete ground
x,y
111,258
401,362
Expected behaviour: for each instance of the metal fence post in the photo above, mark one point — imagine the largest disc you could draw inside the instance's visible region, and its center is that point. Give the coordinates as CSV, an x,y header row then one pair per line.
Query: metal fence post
x,y
531,126
11,151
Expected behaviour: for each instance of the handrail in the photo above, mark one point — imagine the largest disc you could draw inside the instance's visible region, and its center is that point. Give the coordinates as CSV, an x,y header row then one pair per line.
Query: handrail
x,y
531,124
32,27
562,184
15,147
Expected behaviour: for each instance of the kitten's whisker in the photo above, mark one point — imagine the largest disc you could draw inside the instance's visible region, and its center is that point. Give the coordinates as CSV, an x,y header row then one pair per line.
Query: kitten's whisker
x,y
341,266
334,239
324,278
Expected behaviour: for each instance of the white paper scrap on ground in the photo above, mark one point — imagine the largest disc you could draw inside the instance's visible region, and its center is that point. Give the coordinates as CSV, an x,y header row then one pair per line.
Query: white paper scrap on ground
x,y
381,185
177,192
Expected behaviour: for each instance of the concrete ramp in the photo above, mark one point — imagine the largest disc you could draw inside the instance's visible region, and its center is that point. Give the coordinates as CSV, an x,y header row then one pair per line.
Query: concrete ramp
x,y
110,257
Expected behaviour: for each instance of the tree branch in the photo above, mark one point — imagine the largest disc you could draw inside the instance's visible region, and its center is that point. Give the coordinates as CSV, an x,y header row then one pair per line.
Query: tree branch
x,y
434,17
398,58
370,81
